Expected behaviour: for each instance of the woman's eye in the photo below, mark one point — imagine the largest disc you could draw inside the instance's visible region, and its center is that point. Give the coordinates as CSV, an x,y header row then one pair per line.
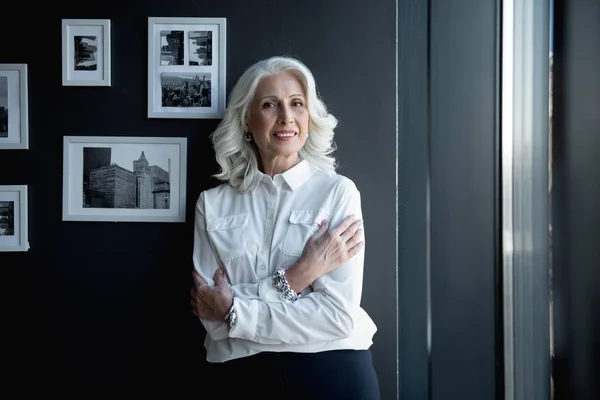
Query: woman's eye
x,y
268,105
297,103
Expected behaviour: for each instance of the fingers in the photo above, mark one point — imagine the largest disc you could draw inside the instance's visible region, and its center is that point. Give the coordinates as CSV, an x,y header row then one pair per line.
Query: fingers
x,y
344,225
350,233
193,300
354,250
354,239
198,281
219,277
322,229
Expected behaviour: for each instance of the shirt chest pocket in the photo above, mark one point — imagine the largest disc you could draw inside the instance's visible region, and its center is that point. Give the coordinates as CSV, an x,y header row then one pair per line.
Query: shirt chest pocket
x,y
229,234
302,225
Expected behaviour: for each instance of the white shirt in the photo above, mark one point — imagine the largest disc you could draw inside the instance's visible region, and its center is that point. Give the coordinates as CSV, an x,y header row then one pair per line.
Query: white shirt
x,y
259,231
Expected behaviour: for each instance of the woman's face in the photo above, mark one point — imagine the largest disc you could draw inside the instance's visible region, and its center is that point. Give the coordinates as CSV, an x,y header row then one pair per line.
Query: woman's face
x,y
278,118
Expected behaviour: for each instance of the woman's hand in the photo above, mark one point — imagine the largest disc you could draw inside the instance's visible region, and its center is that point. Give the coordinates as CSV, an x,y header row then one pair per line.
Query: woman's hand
x,y
211,302
328,250
325,251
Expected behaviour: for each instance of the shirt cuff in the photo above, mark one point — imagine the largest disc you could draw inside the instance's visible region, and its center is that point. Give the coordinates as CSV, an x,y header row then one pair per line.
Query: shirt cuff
x,y
216,330
266,291
247,318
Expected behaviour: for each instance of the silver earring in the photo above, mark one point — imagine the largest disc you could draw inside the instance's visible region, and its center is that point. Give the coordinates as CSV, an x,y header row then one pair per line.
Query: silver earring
x,y
248,137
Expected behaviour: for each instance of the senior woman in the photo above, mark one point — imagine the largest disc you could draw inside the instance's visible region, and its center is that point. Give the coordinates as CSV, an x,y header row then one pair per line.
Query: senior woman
x,y
279,249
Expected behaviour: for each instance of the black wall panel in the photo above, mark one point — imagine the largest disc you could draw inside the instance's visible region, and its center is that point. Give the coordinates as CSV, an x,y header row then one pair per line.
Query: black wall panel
x,y
575,199
450,317
464,200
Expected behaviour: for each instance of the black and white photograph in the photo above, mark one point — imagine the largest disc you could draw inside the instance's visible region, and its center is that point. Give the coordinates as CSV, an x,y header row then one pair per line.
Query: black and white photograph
x,y
14,107
186,67
3,106
86,52
200,48
7,218
124,178
185,89
13,218
171,47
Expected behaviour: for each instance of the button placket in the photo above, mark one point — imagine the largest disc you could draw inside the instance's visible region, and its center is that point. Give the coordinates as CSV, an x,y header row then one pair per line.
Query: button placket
x,y
269,227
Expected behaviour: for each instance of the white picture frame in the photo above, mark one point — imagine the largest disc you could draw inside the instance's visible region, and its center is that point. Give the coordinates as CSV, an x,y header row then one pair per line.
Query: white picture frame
x,y
184,52
14,107
13,218
124,179
86,52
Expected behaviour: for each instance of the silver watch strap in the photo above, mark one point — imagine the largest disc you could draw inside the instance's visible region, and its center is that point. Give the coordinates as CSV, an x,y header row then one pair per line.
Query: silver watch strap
x,y
281,284
231,317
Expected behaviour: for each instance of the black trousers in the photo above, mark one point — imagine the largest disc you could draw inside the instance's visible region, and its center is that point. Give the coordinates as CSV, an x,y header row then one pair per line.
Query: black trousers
x,y
331,375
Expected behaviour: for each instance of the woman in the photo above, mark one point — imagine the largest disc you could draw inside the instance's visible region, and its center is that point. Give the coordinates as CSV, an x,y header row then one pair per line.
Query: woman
x,y
278,250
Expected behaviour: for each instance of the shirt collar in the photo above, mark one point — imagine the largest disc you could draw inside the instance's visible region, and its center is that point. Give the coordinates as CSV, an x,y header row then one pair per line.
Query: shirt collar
x,y
298,174
294,177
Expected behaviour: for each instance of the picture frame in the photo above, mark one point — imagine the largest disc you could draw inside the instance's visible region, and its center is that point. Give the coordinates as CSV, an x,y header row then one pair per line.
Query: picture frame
x,y
124,179
86,49
186,67
14,229
14,106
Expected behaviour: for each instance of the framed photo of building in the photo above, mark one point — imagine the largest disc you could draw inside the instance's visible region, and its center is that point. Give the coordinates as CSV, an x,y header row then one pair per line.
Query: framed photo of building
x,y
13,218
86,52
14,106
124,179
186,67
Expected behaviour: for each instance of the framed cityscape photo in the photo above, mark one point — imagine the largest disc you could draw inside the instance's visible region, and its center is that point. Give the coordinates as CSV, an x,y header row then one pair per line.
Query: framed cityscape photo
x,y
128,179
14,106
86,52
186,67
13,218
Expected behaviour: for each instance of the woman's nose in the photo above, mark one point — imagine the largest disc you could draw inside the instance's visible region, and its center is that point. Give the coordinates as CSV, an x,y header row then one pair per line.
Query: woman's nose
x,y
285,115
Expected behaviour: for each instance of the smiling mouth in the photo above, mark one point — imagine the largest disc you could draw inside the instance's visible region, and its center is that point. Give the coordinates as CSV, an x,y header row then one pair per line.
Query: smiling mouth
x,y
284,134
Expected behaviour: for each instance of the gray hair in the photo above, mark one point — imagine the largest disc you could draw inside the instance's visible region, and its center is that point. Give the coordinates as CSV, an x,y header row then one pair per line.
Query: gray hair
x,y
237,158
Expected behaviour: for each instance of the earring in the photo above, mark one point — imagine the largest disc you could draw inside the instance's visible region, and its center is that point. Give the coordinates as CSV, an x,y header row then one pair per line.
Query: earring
x,y
248,137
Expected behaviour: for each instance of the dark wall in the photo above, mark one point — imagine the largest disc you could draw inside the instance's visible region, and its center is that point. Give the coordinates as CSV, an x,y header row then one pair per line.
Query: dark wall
x,y
101,309
450,317
463,178
576,196
413,203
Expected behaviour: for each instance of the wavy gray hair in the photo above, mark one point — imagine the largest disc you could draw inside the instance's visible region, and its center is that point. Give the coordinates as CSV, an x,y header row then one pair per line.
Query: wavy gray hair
x,y
237,158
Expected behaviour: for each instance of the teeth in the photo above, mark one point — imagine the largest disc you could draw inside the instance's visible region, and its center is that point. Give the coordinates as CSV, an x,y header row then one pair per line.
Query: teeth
x,y
284,134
